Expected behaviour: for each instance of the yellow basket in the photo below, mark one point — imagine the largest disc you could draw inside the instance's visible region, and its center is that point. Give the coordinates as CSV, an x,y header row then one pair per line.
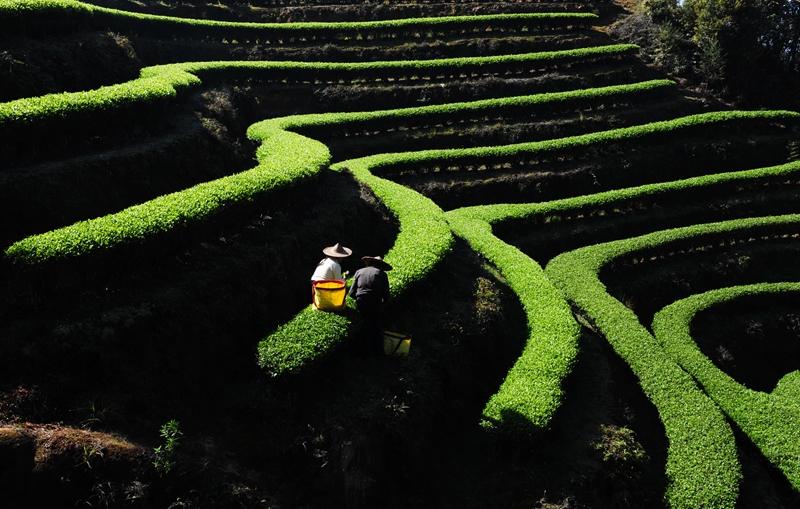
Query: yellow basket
x,y
329,294
396,343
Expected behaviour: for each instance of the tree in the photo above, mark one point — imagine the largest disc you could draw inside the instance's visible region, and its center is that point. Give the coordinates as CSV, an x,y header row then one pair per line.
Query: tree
x,y
780,20
747,51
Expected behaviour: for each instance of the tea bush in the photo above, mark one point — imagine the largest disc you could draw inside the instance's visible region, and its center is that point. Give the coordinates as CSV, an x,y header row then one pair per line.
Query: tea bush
x,y
531,392
284,159
42,17
595,143
327,32
769,420
47,16
423,241
548,358
702,465
114,108
502,108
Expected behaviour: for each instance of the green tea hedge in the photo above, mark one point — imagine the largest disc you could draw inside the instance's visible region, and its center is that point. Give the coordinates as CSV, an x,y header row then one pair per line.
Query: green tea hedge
x,y
702,465
595,143
327,32
770,420
326,124
115,108
39,17
532,388
606,202
284,159
42,17
395,70
307,338
423,241
531,392
48,118
424,238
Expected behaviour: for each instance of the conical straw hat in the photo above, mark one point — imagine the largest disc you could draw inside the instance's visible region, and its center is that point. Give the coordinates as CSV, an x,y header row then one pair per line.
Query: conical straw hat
x,y
337,251
376,261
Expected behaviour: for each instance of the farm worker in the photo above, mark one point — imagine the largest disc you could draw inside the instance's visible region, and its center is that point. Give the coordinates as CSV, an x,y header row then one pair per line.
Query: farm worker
x,y
370,289
330,266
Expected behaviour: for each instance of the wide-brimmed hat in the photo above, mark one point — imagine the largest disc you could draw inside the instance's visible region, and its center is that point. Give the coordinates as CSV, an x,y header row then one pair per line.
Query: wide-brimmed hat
x,y
337,251
376,261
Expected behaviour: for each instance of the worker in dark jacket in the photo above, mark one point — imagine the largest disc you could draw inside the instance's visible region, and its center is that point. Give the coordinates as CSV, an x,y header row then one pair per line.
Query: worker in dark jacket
x,y
370,289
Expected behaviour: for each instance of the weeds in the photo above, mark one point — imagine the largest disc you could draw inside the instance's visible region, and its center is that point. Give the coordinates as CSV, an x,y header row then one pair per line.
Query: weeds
x,y
624,463
794,151
90,452
619,445
165,454
23,403
104,493
135,491
488,309
98,413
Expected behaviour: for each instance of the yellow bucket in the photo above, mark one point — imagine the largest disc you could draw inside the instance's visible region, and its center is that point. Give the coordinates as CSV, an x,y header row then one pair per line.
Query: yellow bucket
x,y
329,294
396,343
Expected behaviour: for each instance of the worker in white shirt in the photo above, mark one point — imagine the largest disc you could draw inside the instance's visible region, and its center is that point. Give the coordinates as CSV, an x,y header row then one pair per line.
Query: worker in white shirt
x,y
330,266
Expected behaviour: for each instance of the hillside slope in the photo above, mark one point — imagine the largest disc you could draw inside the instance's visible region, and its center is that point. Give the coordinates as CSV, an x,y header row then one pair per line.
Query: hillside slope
x,y
102,350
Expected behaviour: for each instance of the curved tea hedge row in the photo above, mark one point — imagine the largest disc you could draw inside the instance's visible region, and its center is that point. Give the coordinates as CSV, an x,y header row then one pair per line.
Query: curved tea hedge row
x,y
334,32
605,202
532,387
702,465
284,158
770,420
617,139
423,241
344,124
399,70
133,225
531,392
424,238
114,108
42,16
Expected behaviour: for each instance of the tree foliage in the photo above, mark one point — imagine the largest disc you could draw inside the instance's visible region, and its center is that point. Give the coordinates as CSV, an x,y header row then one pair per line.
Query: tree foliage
x,y
746,50
781,37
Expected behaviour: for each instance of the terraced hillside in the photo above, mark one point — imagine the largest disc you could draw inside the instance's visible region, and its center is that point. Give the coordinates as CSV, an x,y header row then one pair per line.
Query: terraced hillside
x,y
598,266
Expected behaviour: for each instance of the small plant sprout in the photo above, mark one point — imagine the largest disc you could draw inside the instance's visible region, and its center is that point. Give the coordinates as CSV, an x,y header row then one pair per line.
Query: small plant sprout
x,y
89,453
165,453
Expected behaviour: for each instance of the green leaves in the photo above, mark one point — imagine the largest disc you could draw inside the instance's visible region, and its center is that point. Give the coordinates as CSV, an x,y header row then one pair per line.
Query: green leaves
x,y
41,17
311,335
453,112
770,420
424,238
531,393
693,423
165,453
575,145
24,15
284,159
75,115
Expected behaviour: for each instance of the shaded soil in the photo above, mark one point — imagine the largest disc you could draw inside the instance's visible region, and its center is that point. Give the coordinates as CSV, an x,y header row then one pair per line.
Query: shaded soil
x,y
755,341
